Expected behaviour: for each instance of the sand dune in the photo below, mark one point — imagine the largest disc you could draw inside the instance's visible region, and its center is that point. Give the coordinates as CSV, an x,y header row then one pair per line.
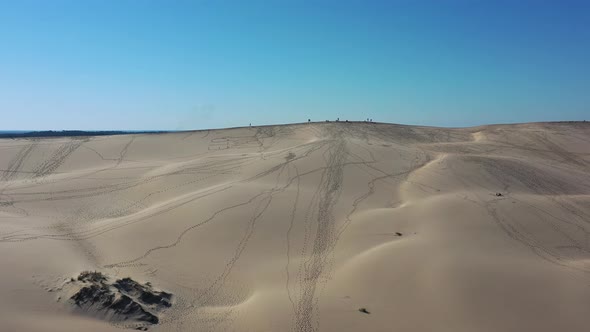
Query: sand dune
x,y
298,227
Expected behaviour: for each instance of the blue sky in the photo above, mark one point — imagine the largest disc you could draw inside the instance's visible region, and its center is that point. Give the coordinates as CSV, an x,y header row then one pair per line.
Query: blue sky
x,y
205,64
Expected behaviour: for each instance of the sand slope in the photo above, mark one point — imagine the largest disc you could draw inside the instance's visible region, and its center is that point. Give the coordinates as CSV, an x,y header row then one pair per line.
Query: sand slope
x,y
297,227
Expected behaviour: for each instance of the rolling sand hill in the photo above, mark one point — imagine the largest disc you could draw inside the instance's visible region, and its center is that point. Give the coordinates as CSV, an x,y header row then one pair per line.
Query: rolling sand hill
x,y
307,227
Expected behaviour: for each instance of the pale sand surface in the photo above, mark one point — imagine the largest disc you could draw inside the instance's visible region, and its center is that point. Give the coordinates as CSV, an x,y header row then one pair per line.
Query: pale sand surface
x,y
293,228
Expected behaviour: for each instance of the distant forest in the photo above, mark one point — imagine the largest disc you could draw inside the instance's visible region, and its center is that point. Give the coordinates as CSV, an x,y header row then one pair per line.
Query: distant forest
x,y
68,133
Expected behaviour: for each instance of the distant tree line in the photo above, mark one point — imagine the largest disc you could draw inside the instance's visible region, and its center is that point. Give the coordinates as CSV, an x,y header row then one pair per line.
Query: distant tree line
x,y
68,133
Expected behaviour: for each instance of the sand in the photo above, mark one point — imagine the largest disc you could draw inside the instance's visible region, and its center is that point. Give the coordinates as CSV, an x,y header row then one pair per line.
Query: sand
x,y
306,227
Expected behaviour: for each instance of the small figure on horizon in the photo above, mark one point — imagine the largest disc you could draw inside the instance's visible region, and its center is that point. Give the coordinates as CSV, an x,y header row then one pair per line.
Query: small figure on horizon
x,y
308,120
337,119
250,124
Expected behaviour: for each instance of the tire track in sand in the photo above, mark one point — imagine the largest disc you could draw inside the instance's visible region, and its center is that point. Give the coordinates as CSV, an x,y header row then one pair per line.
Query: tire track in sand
x,y
16,163
306,316
59,156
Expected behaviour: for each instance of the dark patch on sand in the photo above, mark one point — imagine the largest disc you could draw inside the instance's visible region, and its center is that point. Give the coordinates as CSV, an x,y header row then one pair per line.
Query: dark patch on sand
x,y
124,300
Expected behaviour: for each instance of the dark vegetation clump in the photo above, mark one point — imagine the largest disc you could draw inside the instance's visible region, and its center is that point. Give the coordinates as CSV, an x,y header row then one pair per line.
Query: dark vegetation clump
x,y
122,300
364,311
92,276
144,292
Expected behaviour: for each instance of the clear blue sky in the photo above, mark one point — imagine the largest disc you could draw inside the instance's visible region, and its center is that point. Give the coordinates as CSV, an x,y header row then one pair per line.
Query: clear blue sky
x,y
200,64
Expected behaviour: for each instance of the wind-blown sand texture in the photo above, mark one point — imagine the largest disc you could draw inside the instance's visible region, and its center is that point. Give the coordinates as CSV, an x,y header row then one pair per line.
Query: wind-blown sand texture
x,y
307,227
